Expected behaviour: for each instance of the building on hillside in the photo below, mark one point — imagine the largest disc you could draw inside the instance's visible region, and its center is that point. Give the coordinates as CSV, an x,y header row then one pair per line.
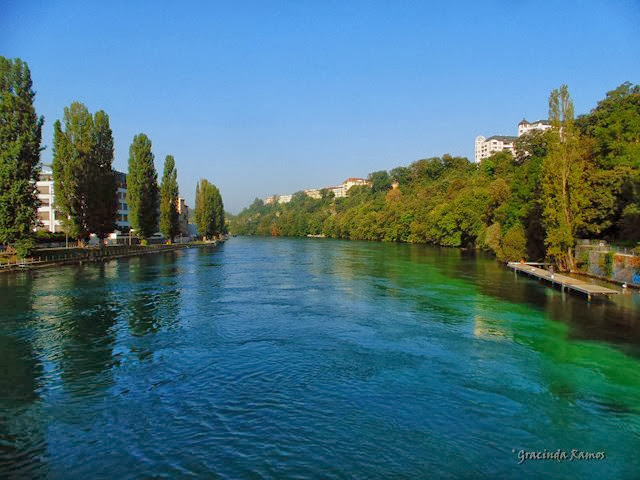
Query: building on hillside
x,y
485,147
524,126
313,193
339,191
342,190
50,218
277,199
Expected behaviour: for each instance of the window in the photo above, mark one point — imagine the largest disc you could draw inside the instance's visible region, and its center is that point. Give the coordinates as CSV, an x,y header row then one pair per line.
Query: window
x,y
43,189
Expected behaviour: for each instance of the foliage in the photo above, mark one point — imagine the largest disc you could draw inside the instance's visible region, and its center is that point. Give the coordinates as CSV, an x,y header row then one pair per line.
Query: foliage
x,y
565,181
514,243
20,135
562,183
169,221
101,181
142,187
24,246
209,210
83,178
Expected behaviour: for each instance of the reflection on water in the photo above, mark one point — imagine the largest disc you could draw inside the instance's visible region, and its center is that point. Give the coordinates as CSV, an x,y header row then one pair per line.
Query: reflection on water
x,y
314,358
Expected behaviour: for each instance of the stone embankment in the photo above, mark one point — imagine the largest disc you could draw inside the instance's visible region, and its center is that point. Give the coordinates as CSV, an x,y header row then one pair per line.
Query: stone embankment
x,y
55,257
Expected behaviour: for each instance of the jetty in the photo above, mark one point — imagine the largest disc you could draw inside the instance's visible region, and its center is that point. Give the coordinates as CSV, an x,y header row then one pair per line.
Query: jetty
x,y
562,281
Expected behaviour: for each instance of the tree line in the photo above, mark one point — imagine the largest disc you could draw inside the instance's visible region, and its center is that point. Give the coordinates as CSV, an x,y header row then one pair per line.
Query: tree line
x,y
578,179
85,183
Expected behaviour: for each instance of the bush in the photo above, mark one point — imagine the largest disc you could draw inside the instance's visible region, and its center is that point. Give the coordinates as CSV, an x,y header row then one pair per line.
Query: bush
x,y
608,263
24,247
514,243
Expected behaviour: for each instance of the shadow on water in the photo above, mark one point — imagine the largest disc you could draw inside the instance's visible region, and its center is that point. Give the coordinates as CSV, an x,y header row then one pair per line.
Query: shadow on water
x,y
23,445
442,273
614,320
154,302
88,312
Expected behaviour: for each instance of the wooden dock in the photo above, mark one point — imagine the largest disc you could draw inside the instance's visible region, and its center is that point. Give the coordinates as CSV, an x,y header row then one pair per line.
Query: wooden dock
x,y
562,281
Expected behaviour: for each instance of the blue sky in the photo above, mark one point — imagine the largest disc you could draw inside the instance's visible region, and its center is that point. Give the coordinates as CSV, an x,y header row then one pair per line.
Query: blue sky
x,y
272,97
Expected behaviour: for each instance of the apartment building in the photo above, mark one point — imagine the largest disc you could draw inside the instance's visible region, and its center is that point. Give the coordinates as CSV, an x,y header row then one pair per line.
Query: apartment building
x,y
485,147
339,191
50,218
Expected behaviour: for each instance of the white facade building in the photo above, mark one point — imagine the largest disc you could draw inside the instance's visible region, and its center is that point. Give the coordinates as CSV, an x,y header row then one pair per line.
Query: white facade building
x,y
50,218
338,191
485,147
524,126
122,216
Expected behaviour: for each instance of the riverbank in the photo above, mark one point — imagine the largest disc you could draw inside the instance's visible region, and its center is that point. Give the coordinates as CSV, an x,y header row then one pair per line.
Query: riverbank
x,y
47,258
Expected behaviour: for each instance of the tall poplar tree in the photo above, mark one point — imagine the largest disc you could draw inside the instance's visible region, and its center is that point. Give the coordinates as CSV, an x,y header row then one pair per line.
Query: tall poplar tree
x,y
142,187
85,188
564,181
209,211
20,136
72,151
169,220
101,180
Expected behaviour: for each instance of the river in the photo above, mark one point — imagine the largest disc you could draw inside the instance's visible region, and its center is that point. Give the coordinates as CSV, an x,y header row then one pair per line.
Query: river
x,y
313,358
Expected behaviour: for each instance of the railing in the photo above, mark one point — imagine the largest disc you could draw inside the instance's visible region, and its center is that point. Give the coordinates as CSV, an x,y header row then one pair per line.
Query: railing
x,y
604,247
82,254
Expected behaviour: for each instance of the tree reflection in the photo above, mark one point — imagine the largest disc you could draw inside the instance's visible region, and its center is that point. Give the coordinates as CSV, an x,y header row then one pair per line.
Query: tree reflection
x,y
22,441
155,302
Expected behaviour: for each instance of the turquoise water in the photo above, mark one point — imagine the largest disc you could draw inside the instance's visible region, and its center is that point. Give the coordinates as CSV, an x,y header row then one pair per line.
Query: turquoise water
x,y
312,358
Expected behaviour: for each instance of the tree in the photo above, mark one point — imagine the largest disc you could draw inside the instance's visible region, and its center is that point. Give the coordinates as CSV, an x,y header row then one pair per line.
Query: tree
x,y
84,180
380,181
20,136
564,181
169,220
209,210
72,175
142,187
101,180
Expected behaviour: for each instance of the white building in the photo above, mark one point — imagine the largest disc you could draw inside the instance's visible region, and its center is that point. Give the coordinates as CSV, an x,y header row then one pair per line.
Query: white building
x,y
50,218
485,147
339,191
343,189
524,126
122,216
313,193
47,215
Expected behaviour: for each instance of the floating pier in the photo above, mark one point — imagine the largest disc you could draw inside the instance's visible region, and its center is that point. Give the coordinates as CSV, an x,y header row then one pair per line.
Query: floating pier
x,y
564,282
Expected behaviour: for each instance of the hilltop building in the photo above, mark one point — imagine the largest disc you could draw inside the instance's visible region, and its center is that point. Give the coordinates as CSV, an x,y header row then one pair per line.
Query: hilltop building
x,y
338,191
485,147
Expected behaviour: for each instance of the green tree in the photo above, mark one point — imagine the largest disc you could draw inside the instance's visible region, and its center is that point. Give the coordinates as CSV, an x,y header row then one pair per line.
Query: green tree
x,y
100,182
142,187
20,136
169,221
380,181
564,181
73,148
209,210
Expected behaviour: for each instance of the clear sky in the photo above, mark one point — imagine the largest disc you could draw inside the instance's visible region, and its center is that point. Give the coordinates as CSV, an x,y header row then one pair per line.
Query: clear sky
x,y
264,97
